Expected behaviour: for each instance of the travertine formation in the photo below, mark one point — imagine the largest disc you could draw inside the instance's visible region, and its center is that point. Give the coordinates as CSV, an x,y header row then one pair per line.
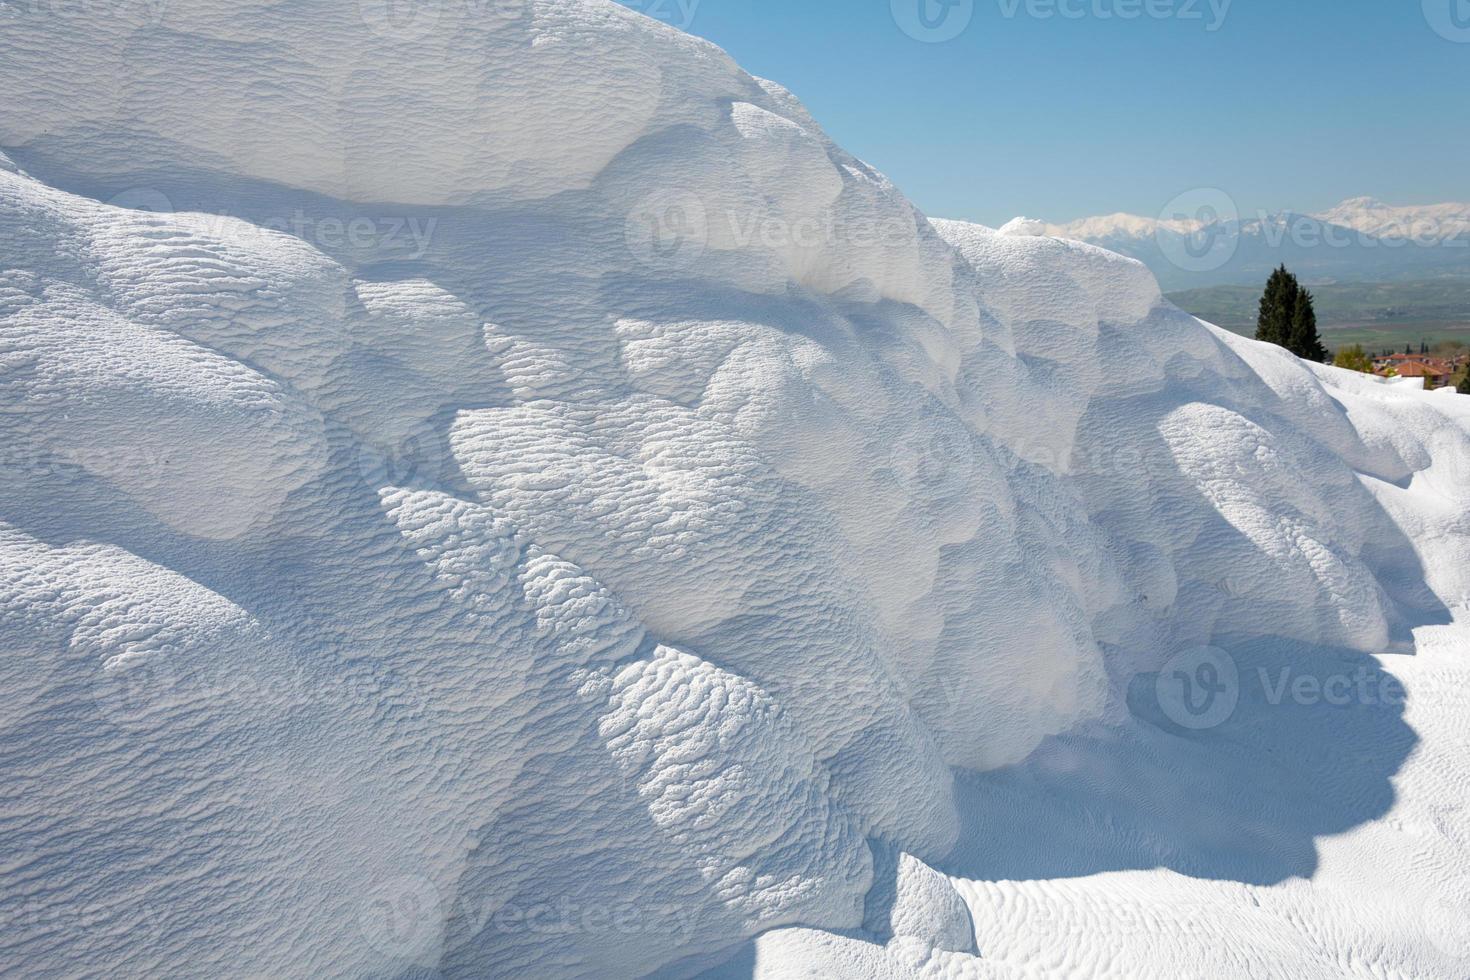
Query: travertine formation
x,y
498,492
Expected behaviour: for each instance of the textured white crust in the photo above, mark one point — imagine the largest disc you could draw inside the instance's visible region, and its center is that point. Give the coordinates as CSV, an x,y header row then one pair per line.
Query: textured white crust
x,y
644,530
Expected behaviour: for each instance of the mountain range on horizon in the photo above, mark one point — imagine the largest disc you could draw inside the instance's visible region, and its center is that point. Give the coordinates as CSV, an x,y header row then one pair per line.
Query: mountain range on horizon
x,y
1361,239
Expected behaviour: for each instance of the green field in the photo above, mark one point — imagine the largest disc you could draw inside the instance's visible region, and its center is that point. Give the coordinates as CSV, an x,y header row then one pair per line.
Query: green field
x,y
1376,315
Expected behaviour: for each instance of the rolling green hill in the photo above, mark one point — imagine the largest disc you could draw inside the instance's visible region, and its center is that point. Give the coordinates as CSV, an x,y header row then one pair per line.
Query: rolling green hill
x,y
1376,315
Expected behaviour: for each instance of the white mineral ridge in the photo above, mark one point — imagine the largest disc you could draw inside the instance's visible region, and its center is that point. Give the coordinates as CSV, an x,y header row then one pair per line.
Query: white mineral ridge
x,y
491,490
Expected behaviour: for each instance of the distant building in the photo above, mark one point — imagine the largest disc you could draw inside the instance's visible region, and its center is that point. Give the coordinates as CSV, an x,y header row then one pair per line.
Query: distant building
x,y
1435,370
1435,373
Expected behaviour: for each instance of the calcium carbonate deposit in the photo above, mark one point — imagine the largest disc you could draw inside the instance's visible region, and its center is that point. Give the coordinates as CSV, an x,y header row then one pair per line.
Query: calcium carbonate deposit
x,y
497,492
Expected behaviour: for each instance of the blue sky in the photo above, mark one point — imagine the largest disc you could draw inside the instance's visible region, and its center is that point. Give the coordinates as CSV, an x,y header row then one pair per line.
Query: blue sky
x,y
1286,104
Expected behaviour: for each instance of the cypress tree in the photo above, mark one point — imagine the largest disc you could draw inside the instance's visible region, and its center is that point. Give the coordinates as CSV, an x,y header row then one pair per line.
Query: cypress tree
x,y
1278,305
1288,318
1464,387
1304,340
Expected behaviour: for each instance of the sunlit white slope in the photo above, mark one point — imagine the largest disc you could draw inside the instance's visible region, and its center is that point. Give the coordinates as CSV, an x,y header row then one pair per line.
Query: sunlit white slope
x,y
649,555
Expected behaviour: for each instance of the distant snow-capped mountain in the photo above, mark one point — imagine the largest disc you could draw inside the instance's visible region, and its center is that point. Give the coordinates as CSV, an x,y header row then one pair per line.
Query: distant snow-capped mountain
x,y
1360,239
1118,226
1373,217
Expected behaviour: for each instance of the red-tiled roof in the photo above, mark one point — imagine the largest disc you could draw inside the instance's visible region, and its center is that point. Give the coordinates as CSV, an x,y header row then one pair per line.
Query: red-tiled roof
x,y
1414,369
